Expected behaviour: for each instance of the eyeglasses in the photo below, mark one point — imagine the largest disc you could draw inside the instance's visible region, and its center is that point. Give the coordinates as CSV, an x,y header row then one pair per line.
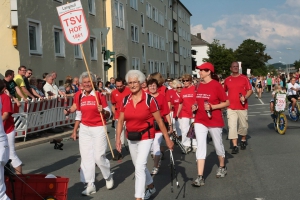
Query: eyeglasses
x,y
206,70
179,88
133,83
30,73
185,81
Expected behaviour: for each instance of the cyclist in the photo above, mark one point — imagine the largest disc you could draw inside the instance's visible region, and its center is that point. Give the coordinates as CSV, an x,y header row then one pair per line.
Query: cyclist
x,y
292,93
277,89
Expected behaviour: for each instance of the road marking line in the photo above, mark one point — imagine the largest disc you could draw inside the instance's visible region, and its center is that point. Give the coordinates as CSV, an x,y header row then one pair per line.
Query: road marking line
x,y
259,99
251,115
254,112
265,114
259,105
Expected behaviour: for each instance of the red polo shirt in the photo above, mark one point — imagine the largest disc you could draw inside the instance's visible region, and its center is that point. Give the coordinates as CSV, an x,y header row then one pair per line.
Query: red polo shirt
x,y
175,101
234,86
214,93
188,99
89,110
117,99
8,124
137,117
164,91
163,107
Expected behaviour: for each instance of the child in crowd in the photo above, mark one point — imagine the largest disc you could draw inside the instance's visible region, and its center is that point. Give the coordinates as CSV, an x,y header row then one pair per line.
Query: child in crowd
x,y
277,89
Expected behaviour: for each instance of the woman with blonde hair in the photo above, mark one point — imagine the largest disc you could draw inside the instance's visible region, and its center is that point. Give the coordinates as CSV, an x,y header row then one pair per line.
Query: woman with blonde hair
x,y
185,113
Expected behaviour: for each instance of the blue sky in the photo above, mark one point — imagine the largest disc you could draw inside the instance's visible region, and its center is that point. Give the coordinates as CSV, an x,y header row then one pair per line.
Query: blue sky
x,y
275,23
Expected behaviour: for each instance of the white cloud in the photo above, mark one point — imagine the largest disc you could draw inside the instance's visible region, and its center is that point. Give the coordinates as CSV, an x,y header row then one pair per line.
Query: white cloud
x,y
276,30
293,3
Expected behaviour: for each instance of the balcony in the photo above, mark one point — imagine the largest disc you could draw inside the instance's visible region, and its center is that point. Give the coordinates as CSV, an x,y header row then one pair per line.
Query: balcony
x,y
176,57
175,37
174,16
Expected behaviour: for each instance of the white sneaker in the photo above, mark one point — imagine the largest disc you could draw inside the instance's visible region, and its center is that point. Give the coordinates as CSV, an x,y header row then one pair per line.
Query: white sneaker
x,y
90,189
149,192
194,149
110,182
154,171
293,113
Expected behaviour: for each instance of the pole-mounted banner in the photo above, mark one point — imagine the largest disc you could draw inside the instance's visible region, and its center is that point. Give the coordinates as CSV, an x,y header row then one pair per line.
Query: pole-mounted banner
x,y
73,22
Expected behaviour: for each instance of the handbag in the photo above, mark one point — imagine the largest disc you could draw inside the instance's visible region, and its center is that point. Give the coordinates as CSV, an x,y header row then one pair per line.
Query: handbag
x,y
137,136
191,133
156,127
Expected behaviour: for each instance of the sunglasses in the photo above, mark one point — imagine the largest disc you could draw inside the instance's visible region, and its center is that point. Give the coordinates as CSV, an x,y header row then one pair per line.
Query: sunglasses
x,y
185,81
206,70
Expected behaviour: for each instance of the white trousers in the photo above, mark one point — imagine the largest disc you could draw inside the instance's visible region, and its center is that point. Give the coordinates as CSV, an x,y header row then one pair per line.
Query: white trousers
x,y
4,155
122,133
139,151
156,144
184,126
201,137
92,146
15,161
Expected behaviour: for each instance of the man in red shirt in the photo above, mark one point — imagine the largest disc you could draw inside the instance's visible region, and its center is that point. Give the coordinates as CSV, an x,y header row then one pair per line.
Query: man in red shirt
x,y
239,90
117,97
9,128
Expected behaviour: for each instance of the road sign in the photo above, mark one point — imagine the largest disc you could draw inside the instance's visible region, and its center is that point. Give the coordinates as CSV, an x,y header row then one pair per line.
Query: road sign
x,y
73,22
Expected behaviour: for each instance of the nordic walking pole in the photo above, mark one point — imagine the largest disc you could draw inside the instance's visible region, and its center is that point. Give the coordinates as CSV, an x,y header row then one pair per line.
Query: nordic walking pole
x,y
174,169
87,68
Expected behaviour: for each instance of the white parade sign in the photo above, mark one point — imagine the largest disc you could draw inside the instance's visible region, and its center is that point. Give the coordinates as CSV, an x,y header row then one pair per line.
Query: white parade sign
x,y
280,102
73,21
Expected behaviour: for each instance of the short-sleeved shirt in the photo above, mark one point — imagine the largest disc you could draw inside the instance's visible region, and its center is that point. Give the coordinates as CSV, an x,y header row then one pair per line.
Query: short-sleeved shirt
x,y
2,132
164,91
163,107
90,115
290,91
117,99
20,83
11,87
137,117
8,124
188,98
236,85
27,85
52,88
175,101
214,93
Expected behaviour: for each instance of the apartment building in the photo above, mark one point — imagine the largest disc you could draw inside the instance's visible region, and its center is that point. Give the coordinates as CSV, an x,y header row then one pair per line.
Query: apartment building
x,y
31,35
152,36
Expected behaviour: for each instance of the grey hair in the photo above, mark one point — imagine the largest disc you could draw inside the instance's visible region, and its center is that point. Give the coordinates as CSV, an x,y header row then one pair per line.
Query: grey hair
x,y
48,76
175,83
86,75
136,74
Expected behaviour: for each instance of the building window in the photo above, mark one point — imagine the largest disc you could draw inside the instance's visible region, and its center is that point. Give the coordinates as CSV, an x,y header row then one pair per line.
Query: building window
x,y
93,47
77,52
162,43
136,63
149,10
92,8
142,23
59,44
172,68
35,37
162,69
150,39
144,53
171,47
119,14
134,33
134,4
151,67
142,1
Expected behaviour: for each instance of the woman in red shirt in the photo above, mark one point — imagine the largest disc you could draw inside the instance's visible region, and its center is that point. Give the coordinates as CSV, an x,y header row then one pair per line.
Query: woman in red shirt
x,y
164,113
175,103
92,136
187,97
210,100
9,128
139,110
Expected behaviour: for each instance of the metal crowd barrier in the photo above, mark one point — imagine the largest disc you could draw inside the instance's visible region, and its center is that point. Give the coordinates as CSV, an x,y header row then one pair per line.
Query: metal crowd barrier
x,y
39,115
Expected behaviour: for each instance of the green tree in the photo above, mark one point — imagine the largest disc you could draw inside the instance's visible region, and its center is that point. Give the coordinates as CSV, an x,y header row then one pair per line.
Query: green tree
x,y
252,55
220,57
297,64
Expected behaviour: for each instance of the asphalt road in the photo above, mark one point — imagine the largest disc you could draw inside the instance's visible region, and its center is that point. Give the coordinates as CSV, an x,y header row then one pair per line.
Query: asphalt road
x,y
268,169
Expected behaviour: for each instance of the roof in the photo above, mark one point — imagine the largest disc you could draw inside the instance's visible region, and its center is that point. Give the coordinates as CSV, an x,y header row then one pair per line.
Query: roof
x,y
184,7
197,41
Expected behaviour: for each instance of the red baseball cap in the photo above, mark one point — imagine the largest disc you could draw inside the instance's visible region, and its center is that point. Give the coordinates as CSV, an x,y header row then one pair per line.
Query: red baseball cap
x,y
207,65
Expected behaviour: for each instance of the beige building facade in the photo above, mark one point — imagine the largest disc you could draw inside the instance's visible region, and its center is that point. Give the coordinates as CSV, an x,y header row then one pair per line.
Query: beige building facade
x,y
152,36
40,43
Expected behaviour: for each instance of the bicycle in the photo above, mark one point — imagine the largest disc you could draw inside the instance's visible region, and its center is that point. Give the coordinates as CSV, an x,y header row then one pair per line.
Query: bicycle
x,y
294,117
279,117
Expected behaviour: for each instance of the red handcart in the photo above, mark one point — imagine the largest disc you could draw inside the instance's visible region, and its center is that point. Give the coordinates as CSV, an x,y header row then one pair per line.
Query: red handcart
x,y
36,187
